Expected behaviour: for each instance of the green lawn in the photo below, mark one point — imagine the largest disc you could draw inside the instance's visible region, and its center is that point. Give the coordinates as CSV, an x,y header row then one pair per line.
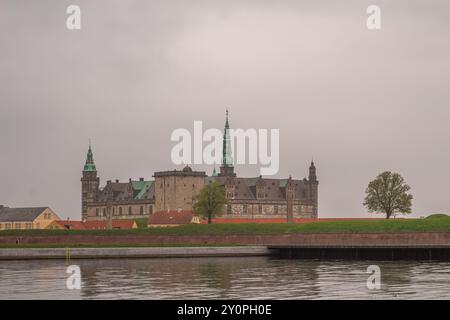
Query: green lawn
x,y
141,223
431,223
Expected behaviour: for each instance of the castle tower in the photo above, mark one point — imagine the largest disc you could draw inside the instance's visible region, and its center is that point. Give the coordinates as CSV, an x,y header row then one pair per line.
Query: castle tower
x,y
89,184
176,189
313,188
227,168
290,195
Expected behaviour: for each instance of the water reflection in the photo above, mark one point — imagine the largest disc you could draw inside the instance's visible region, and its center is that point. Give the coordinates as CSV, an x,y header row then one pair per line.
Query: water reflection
x,y
223,278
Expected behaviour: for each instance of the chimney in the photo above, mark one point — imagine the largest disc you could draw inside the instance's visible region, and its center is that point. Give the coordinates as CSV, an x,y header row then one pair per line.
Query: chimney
x,y
141,179
117,180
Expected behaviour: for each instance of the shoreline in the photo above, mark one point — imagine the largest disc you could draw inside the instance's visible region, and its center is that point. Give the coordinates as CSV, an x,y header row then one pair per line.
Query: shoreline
x,y
130,252
386,246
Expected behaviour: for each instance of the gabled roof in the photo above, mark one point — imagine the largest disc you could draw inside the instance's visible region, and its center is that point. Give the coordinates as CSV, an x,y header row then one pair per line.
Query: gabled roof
x,y
20,214
140,189
119,191
245,188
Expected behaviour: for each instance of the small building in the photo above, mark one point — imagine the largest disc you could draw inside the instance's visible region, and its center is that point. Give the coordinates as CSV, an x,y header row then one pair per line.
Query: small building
x,y
26,218
172,218
66,225
91,225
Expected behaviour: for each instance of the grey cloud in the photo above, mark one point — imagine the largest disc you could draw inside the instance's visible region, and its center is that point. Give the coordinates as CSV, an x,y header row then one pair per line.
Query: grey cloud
x,y
358,101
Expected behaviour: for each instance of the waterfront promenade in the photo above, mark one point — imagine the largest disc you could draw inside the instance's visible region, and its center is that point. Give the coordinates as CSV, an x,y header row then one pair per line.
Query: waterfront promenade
x,y
149,252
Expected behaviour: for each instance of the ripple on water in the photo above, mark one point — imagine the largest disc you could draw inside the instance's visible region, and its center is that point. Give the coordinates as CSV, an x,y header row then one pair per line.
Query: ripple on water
x,y
224,278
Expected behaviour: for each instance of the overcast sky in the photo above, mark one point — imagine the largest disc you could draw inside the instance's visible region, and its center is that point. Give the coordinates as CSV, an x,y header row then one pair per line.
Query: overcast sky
x,y
358,101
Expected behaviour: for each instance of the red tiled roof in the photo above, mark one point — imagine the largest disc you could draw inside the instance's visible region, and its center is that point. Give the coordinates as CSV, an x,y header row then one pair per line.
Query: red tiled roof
x,y
72,225
171,217
283,220
95,225
116,224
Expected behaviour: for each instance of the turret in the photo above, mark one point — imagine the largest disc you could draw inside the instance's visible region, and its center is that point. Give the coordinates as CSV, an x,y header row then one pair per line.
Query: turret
x,y
312,172
313,189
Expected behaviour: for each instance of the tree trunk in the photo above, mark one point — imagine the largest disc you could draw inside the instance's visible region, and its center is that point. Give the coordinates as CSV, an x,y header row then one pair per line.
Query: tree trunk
x,y
209,217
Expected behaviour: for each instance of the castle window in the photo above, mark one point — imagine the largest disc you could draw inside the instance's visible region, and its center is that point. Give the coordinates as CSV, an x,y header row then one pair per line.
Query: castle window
x,y
129,210
120,210
114,211
104,211
275,209
142,210
97,211
150,209
245,209
260,208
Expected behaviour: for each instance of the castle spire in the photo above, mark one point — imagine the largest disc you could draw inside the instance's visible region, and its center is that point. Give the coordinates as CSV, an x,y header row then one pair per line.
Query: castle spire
x,y
89,166
227,157
227,168
226,121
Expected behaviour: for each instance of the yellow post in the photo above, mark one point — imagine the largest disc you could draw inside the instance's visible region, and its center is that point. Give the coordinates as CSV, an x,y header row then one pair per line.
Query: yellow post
x,y
68,255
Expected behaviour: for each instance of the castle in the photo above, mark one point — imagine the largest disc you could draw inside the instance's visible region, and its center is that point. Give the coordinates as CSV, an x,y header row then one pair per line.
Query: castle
x,y
254,198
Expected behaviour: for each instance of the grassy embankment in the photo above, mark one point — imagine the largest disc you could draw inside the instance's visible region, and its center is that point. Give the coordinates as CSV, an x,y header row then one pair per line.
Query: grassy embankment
x,y
432,223
437,222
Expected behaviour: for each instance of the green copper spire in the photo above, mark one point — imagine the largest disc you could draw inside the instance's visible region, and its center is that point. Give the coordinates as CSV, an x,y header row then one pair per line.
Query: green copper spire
x,y
227,158
89,165
214,173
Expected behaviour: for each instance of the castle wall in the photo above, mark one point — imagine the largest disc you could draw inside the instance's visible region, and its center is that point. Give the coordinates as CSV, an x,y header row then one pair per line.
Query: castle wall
x,y
120,210
265,209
